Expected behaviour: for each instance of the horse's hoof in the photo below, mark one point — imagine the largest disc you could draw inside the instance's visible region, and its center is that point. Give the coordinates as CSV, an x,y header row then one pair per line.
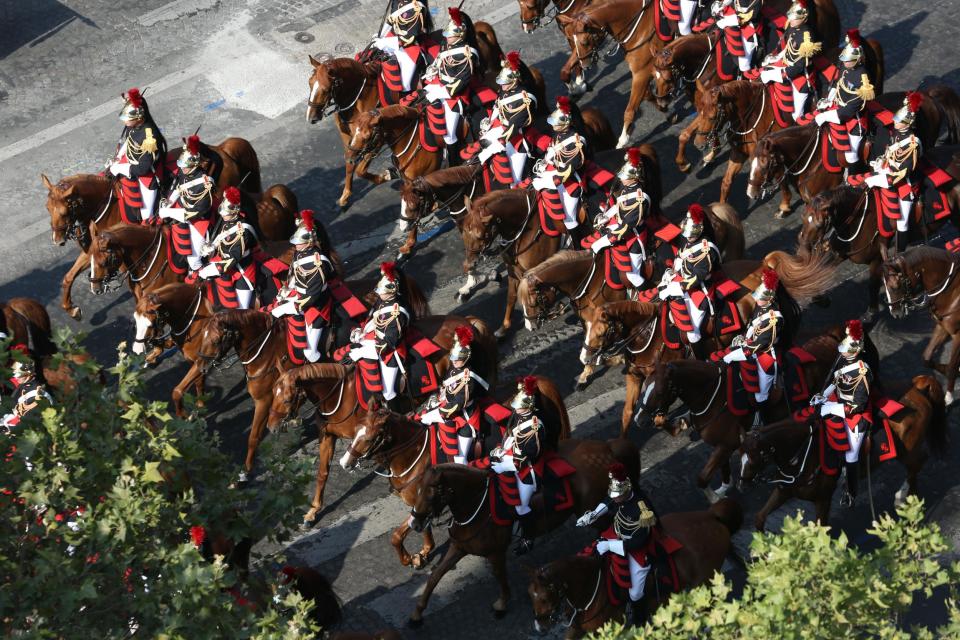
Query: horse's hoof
x,y
781,214
580,385
75,312
418,560
948,398
414,623
712,496
501,333
499,614
707,159
684,167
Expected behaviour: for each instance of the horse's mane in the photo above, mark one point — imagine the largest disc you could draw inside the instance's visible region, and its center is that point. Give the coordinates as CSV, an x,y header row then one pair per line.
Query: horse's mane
x,y
451,176
622,309
240,316
316,370
913,257
79,179
481,204
677,45
398,112
343,64
123,232
560,258
735,88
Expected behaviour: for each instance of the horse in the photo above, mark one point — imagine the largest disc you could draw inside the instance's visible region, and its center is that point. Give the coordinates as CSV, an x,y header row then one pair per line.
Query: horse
x,y
532,14
702,388
473,531
795,450
843,223
565,591
925,277
133,253
25,321
397,127
632,26
345,88
332,389
400,444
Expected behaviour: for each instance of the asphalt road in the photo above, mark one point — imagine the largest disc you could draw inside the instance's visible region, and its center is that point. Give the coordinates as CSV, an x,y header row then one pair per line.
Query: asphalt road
x,y
238,67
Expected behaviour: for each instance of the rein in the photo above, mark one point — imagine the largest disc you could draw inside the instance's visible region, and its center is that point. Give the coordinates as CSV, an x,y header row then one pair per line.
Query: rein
x,y
578,610
683,81
768,186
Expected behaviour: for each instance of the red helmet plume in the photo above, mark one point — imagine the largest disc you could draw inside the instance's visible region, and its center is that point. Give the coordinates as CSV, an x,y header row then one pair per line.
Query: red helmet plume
x,y
770,279
853,36
134,98
802,4
914,100
289,573
389,269
20,348
633,156
193,145
307,216
855,329
617,471
563,103
456,15
464,335
513,60
232,195
696,213
530,385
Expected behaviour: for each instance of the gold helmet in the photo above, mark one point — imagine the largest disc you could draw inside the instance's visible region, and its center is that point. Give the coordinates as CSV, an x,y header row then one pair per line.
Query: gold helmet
x,y
908,112
692,225
632,168
190,156
798,11
462,338
620,484
768,286
852,345
387,286
455,28
853,48
526,394
509,69
230,205
133,106
304,232
560,118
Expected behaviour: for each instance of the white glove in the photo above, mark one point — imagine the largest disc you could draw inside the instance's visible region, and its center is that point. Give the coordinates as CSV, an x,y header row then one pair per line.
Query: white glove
x,y
586,519
824,103
728,21
616,546
355,355
209,271
120,168
600,244
827,116
878,179
285,309
771,74
498,467
356,334
603,546
173,213
817,399
737,355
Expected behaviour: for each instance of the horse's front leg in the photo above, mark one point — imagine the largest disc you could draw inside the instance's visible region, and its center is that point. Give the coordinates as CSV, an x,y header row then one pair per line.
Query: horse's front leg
x,y
937,339
719,457
633,384
682,141
513,281
952,365
257,428
733,168
875,282
638,93
194,376
408,225
777,497
498,562
454,555
66,285
783,209
328,443
572,74
397,538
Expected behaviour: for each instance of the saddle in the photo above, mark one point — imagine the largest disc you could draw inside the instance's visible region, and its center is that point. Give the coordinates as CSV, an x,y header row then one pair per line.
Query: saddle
x,y
724,320
349,310
660,551
553,475
743,381
488,418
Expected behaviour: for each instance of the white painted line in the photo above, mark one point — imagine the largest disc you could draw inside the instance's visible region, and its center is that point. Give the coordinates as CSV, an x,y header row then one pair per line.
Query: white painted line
x,y
174,10
502,13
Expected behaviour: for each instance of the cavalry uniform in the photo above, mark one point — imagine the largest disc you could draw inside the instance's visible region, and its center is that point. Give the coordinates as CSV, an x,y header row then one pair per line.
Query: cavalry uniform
x,y
27,393
189,206
306,295
739,21
447,82
791,69
843,107
380,338
138,161
405,37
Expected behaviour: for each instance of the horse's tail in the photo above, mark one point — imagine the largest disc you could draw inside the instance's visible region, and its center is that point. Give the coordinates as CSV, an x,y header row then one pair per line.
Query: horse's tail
x,y
937,437
312,585
803,277
549,391
627,453
241,152
735,244
416,301
36,321
875,64
484,358
599,131
539,89
285,199
729,513
827,22
949,104
490,51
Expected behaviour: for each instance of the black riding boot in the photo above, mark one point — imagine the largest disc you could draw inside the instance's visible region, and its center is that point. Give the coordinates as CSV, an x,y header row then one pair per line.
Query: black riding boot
x,y
525,541
852,470
856,168
759,417
701,350
903,239
639,611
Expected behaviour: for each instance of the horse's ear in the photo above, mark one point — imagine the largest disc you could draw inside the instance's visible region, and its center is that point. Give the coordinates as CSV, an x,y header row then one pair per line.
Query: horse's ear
x,y
316,63
69,191
46,182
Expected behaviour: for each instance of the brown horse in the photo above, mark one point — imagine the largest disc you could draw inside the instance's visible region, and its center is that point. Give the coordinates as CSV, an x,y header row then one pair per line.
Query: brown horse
x,y
532,14
925,277
25,321
397,127
630,23
400,444
794,449
133,253
702,388
566,591
682,67
464,491
842,223
331,388
345,88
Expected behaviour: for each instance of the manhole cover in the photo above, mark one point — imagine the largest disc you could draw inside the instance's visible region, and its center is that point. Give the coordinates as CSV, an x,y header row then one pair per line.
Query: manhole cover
x,y
303,37
344,48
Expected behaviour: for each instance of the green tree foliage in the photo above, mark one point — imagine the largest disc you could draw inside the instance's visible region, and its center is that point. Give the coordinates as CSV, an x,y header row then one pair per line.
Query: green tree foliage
x,y
108,504
806,584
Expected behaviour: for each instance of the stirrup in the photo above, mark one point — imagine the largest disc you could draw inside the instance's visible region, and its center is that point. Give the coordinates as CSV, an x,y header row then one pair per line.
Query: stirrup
x,y
523,546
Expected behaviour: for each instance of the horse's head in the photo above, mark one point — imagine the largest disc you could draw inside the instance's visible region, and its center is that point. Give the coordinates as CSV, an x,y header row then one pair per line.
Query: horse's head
x,y
106,260
601,334
148,319
288,396
664,77
478,231
367,135
767,169
658,393
901,285
531,14
416,198
753,459
220,335
546,593
63,203
373,435
537,298
817,223
434,494
323,85
713,109
588,36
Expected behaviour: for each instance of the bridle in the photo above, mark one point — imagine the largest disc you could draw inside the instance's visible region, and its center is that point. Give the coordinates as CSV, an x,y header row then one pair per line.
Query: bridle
x,y
676,71
723,120
915,295
162,319
557,616
330,106
546,310
228,338
113,279
771,184
73,229
543,13
767,457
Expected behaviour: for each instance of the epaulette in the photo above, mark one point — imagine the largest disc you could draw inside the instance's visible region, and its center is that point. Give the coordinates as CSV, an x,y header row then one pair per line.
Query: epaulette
x,y
808,48
866,91
149,142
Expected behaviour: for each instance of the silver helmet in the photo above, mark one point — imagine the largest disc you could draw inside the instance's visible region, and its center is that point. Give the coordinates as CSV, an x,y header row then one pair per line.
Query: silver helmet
x,y
387,285
692,225
632,169
908,112
230,205
133,107
620,484
852,48
561,118
852,344
190,156
509,69
798,11
526,396
455,27
463,337
767,290
304,232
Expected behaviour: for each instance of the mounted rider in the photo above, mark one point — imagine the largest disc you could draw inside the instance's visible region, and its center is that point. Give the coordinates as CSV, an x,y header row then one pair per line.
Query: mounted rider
x,y
520,452
139,159
379,340
846,407
447,82
405,38
458,412
687,285
306,296
762,338
843,108
792,65
894,170
631,536
740,23
507,137
189,205
28,390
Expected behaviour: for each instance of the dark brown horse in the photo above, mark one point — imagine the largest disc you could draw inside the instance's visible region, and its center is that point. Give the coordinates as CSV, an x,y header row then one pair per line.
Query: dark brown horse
x,y
573,591
794,450
926,277
331,388
684,66
464,492
25,321
630,24
400,444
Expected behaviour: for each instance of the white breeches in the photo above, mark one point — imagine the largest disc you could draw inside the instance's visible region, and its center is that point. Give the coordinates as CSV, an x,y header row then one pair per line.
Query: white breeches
x,y
745,61
312,352
687,9
570,208
464,447
390,373
245,299
526,493
766,381
799,102
903,222
696,318
638,578
854,154
149,199
636,270
453,121
408,67
855,438
196,245
518,161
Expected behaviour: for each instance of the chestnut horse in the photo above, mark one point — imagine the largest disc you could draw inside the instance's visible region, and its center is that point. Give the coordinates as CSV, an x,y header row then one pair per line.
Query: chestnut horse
x,y
134,253
794,449
842,223
532,14
630,23
400,444
926,277
397,127
331,388
566,591
25,321
464,491
702,388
